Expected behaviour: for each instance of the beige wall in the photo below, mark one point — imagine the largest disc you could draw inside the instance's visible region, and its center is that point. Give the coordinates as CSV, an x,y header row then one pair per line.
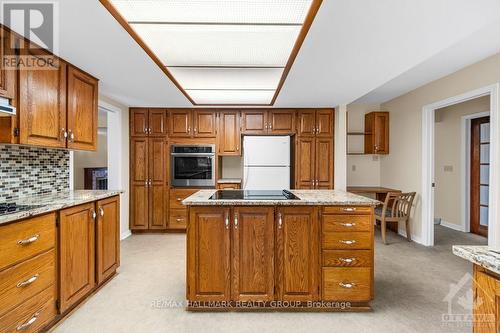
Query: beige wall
x,y
402,168
232,167
362,170
448,158
90,159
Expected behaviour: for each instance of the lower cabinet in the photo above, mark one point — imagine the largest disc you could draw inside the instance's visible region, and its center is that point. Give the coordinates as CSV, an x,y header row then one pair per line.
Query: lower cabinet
x,y
107,238
486,309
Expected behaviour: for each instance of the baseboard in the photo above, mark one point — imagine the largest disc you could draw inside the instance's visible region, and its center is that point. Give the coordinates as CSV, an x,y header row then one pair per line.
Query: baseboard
x,y
414,238
452,226
125,234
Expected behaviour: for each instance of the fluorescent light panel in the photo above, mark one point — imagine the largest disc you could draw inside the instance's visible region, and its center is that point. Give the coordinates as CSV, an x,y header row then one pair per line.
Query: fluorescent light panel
x,y
214,11
232,97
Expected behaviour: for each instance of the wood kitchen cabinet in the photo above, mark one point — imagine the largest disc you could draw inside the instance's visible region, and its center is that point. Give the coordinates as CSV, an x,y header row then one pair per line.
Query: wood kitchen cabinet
x,y
107,238
297,255
7,77
229,134
317,123
186,123
151,122
77,254
149,183
274,121
486,290
377,133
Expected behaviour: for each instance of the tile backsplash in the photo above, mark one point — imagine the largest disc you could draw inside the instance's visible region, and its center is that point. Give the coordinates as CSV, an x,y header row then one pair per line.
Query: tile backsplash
x,y
31,170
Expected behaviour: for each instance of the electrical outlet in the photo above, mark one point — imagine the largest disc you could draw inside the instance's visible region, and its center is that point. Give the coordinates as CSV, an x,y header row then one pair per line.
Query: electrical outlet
x,y
448,168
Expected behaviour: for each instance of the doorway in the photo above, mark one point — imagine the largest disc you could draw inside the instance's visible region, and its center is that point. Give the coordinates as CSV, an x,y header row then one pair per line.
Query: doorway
x,y
479,175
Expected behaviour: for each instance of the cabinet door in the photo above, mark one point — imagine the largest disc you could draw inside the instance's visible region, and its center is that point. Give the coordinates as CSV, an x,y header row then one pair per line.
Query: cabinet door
x,y
253,254
180,123
304,159
139,118
324,163
76,254
157,124
139,162
485,301
254,122
209,256
324,122
297,254
158,184
229,133
306,123
42,104
204,123
108,238
82,110
7,77
381,132
282,121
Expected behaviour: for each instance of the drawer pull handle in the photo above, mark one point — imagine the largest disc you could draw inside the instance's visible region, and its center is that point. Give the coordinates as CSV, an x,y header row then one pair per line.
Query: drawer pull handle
x,y
101,211
28,282
30,322
235,220
349,209
348,225
347,285
179,199
227,221
28,241
178,220
348,242
280,221
348,260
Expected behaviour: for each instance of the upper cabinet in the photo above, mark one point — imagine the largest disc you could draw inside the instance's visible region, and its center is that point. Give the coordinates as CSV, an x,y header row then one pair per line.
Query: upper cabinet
x,y
229,138
377,133
315,122
187,123
276,121
148,122
7,77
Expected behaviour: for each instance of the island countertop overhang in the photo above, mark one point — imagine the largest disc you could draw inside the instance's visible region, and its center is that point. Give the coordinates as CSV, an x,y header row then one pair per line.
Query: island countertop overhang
x,y
307,198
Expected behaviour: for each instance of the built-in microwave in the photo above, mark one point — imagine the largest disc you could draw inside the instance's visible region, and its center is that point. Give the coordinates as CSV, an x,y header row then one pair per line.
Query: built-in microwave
x,y
192,165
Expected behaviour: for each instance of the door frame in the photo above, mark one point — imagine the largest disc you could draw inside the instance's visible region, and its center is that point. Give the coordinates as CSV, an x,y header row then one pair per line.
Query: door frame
x,y
428,142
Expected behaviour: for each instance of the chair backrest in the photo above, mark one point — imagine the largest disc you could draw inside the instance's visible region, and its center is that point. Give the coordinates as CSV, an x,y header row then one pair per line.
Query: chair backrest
x,y
401,203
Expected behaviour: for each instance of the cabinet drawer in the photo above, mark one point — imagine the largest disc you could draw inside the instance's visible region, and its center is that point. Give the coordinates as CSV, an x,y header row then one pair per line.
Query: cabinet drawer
x,y
26,279
347,258
21,240
228,186
347,240
177,195
364,210
347,284
177,219
31,315
346,223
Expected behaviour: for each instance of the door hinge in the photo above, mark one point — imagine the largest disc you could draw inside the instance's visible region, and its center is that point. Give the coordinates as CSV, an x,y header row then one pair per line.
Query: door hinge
x,y
58,221
16,131
58,304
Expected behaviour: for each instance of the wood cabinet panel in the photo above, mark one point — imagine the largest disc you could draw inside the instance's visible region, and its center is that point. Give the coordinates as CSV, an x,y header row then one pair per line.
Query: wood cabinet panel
x,y
377,133
305,168
253,254
21,240
229,133
347,240
486,301
82,110
108,238
324,122
209,256
324,163
306,122
297,254
177,219
42,104
204,125
77,254
347,284
282,121
157,122
180,123
7,77
179,194
349,210
349,258
139,171
346,223
139,119
254,122
158,183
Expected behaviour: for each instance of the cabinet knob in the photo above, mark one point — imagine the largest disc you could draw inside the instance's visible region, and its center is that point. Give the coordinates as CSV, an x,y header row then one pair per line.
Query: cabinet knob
x,y
93,213
235,220
101,211
227,221
64,134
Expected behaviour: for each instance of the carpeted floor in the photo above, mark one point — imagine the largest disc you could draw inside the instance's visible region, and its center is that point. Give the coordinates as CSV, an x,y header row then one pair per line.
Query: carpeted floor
x,y
410,284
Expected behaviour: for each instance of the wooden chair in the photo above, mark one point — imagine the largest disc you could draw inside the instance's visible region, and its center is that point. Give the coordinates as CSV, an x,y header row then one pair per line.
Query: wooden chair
x,y
396,208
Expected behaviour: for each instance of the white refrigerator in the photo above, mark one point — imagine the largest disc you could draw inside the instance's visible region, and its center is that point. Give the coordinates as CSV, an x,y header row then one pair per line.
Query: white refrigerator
x,y
266,162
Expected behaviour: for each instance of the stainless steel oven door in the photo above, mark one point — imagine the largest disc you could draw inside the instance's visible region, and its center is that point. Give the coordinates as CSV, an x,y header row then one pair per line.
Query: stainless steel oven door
x,y
188,169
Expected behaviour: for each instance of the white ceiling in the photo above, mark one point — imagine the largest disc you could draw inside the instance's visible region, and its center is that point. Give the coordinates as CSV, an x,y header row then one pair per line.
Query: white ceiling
x,y
353,48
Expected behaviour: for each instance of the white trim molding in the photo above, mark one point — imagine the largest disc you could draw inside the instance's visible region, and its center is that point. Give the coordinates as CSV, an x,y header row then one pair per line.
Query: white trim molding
x,y
428,138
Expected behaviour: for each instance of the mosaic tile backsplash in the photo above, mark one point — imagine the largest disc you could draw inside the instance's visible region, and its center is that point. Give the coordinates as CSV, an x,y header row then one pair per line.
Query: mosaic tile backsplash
x,y
31,170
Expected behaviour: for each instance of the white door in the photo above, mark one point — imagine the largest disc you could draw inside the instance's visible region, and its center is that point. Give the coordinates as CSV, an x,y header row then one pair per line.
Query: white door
x,y
266,150
266,178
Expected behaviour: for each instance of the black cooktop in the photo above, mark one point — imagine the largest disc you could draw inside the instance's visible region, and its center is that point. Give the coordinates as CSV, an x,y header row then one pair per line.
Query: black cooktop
x,y
9,208
253,195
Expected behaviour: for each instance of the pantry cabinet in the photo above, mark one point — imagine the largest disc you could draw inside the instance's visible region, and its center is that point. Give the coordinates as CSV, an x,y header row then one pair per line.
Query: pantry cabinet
x,y
148,122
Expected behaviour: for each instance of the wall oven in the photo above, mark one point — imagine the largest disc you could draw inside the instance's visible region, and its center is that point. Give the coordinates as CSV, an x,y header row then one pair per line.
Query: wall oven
x,y
192,165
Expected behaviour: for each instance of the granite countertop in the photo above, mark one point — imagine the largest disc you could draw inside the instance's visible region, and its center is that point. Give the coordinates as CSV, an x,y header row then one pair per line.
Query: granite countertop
x,y
307,198
52,202
229,181
479,255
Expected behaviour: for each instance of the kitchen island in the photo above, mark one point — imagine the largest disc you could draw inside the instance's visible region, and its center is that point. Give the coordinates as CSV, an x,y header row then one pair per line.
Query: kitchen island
x,y
314,252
